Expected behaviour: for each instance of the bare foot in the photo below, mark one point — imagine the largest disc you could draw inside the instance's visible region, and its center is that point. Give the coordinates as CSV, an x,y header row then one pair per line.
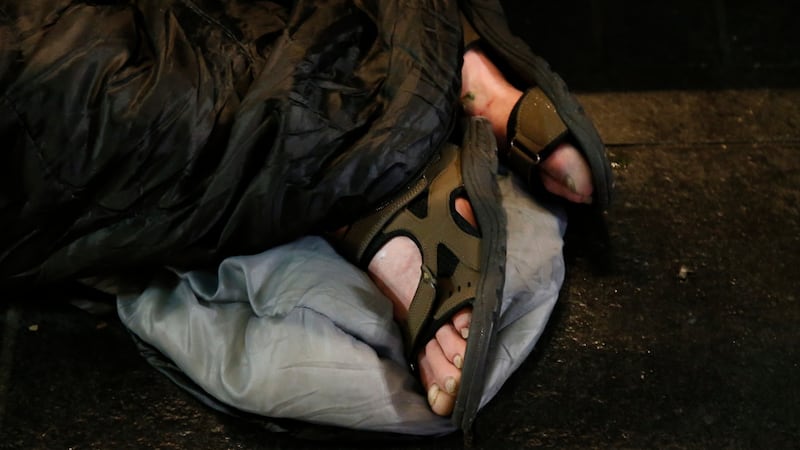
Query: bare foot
x,y
396,271
396,267
485,92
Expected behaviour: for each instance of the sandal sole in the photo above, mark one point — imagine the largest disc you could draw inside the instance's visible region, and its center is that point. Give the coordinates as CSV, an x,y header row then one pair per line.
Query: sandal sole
x,y
479,171
487,17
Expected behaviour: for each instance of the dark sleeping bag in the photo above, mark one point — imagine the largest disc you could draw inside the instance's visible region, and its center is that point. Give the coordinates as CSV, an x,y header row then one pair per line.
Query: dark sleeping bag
x,y
199,146
142,133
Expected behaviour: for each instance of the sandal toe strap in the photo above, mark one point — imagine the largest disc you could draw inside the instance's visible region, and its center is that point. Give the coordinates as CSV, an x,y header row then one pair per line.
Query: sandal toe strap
x,y
434,304
535,129
419,311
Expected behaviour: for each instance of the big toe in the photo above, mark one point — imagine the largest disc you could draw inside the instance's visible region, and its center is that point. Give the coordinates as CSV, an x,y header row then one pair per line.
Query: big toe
x,y
567,174
440,363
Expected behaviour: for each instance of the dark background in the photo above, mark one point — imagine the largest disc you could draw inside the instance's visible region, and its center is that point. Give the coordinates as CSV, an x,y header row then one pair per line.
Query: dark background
x,y
633,45
680,332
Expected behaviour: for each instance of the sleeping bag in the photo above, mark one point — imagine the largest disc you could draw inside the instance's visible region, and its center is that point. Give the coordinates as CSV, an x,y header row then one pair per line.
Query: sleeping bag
x,y
193,151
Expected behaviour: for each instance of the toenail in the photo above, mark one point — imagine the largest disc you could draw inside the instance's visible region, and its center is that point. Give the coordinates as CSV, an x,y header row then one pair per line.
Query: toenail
x,y
433,394
465,333
458,361
570,183
450,385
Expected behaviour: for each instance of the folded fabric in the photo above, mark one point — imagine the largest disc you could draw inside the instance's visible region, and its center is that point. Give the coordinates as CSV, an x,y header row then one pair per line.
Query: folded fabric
x,y
297,332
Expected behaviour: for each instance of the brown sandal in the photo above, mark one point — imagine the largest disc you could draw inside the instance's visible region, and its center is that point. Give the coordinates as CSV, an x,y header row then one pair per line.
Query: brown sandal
x,y
461,265
546,115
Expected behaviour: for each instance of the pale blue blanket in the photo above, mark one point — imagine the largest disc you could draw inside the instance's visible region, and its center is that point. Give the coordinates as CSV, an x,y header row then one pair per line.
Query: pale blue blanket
x,y
297,332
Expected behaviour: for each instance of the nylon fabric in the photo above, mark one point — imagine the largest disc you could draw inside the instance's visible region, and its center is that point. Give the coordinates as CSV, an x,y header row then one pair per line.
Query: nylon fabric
x,y
145,134
180,132
296,332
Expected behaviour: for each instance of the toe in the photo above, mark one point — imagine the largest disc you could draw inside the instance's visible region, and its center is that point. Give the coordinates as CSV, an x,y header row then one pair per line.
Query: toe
x,y
461,321
561,188
452,344
441,403
567,174
441,360
436,369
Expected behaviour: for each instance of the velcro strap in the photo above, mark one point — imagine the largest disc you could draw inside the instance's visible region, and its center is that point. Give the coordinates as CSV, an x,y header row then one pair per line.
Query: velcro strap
x,y
419,312
537,130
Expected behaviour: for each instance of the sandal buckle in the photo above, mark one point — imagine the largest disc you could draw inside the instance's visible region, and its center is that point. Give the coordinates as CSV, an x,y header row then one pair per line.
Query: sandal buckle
x,y
534,157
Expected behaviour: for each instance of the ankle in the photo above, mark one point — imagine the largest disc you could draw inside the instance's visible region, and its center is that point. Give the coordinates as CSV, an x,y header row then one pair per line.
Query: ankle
x,y
502,122
485,92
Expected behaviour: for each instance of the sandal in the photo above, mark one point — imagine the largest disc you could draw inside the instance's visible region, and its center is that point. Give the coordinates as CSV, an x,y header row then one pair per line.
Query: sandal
x,y
455,255
546,115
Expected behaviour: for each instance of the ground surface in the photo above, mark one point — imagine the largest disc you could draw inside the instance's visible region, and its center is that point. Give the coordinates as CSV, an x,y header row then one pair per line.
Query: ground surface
x,y
681,333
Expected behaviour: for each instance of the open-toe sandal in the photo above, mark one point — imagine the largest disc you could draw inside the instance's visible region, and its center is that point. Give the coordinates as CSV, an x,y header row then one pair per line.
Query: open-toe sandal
x,y
461,264
545,116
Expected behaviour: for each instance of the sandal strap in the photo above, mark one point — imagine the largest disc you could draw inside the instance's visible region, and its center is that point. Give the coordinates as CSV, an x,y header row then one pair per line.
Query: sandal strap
x,y
360,236
450,253
534,132
419,311
440,293
439,227
448,295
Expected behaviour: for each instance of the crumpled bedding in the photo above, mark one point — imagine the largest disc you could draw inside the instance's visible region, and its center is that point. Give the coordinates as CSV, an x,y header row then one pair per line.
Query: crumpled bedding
x,y
297,332
142,133
145,133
